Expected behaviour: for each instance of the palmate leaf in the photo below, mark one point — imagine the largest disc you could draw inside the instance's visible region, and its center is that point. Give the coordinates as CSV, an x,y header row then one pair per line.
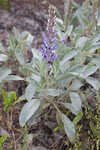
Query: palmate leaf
x,y
5,4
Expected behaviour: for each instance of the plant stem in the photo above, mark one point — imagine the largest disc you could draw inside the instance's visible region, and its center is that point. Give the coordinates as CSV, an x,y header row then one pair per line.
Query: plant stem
x,y
94,13
68,14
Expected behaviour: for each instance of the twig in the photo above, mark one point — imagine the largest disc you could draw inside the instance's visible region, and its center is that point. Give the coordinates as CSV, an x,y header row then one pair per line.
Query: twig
x,y
14,141
13,134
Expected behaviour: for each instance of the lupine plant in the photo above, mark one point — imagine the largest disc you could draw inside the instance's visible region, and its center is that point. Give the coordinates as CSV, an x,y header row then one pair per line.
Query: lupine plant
x,y
66,62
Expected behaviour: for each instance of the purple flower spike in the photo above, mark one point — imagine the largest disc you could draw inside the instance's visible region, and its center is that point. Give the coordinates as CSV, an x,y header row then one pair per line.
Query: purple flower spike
x,y
50,42
48,51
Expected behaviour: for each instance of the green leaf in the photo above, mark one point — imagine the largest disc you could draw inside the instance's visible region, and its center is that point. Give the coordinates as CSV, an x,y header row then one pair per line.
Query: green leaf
x,y
68,57
51,92
94,83
95,130
96,38
81,42
76,84
78,118
34,119
65,82
28,111
12,96
96,61
60,34
14,78
68,127
19,56
59,21
66,10
8,100
4,72
5,4
84,71
81,17
89,70
2,49
2,140
36,77
76,104
65,66
37,54
69,30
58,14
98,20
29,38
94,47
16,35
5,98
75,5
30,91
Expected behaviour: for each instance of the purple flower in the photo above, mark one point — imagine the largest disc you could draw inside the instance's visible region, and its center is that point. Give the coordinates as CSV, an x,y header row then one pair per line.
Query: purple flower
x,y
48,50
50,42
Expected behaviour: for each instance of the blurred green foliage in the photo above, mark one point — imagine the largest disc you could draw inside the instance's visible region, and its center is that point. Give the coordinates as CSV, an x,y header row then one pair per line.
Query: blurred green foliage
x,y
2,140
5,4
8,100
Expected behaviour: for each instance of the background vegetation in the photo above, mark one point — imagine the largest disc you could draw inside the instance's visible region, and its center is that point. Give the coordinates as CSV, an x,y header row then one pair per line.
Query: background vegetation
x,y
59,107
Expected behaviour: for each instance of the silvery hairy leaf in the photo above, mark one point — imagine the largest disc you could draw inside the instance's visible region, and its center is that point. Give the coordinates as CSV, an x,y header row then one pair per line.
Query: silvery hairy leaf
x,y
51,92
30,91
28,111
76,103
14,78
68,127
76,84
4,72
68,56
3,57
29,38
94,83
37,54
